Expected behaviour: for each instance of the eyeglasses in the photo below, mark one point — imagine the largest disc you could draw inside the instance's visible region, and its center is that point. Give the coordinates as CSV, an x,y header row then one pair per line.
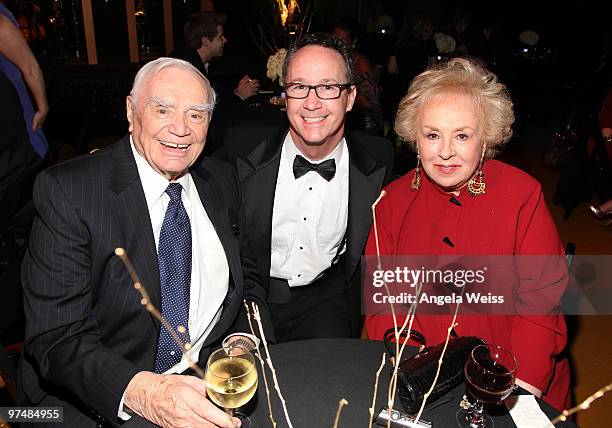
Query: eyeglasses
x,y
328,91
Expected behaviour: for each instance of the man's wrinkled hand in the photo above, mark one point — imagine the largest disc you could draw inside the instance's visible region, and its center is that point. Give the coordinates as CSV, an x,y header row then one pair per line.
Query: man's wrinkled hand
x,y
247,87
174,401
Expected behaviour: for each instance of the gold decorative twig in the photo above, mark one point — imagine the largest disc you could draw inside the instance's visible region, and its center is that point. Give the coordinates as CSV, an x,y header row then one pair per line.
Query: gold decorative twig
x,y
261,363
305,22
341,404
371,409
382,194
408,320
255,40
146,302
378,261
582,406
257,317
448,332
400,350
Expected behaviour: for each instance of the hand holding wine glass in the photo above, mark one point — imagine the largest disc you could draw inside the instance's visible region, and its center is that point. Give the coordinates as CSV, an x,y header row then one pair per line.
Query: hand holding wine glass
x,y
231,379
490,373
173,400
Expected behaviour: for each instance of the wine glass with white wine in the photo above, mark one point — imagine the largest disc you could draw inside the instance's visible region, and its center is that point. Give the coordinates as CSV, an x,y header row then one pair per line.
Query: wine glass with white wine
x,y
231,379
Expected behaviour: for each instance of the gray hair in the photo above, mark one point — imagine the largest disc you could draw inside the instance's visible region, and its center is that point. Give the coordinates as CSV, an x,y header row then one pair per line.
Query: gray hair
x,y
152,68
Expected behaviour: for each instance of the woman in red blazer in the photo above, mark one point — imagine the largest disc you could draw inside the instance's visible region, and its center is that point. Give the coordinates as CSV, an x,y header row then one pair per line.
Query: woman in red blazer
x,y
459,202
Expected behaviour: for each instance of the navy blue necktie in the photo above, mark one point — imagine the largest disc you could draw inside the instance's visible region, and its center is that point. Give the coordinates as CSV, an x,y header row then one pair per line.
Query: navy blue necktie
x,y
174,255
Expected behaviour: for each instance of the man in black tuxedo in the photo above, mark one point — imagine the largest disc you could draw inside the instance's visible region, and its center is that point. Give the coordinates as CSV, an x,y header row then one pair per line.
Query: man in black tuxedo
x,y
205,40
307,193
91,347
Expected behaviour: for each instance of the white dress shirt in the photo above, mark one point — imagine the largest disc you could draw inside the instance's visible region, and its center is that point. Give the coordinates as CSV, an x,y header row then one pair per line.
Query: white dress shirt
x,y
309,217
209,268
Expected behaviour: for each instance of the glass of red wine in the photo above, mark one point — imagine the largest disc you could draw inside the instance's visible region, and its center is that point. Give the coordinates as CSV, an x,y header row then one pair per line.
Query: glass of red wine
x,y
490,372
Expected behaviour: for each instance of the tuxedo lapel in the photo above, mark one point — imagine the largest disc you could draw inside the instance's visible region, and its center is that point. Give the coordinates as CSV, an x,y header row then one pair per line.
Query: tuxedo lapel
x,y
258,175
129,209
365,181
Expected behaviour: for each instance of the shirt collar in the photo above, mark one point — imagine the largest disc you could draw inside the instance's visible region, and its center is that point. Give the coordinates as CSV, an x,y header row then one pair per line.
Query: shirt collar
x,y
153,183
290,151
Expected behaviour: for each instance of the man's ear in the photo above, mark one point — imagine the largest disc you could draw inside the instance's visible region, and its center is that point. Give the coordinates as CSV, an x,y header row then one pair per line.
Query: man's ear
x,y
205,41
129,107
352,93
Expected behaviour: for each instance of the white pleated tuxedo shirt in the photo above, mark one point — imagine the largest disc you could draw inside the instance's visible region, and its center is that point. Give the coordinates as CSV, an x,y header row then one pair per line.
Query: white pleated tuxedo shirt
x,y
309,217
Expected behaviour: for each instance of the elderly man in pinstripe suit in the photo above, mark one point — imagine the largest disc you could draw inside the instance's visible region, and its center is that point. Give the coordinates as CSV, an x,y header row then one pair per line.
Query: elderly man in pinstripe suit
x,y
90,346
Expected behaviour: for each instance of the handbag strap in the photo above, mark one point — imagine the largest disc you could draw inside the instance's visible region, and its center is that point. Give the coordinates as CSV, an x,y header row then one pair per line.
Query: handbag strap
x,y
415,335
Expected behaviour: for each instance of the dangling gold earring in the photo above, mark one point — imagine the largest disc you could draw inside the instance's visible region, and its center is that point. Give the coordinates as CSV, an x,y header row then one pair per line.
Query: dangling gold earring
x,y
476,186
416,178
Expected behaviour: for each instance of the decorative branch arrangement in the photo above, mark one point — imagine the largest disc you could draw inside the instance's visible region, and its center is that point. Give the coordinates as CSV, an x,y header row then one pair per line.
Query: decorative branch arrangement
x,y
341,404
409,320
269,36
582,406
261,364
399,350
257,317
428,393
371,409
146,302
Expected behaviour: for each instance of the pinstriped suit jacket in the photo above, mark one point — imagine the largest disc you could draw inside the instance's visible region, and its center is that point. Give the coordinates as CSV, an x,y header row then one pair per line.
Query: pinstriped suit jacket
x,y
87,334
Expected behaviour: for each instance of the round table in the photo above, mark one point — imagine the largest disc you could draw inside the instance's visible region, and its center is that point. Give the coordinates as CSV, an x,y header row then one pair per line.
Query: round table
x,y
315,374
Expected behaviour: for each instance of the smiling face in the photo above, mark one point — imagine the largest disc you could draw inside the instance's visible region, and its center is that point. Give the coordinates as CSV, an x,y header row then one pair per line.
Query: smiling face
x,y
169,120
449,140
317,125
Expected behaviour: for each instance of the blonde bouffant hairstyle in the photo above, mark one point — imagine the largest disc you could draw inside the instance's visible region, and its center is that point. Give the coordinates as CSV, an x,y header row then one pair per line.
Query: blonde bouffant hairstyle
x,y
459,76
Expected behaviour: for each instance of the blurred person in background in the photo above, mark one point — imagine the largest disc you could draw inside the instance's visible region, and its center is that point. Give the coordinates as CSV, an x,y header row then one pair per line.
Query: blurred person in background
x,y
414,50
205,40
367,112
605,122
18,63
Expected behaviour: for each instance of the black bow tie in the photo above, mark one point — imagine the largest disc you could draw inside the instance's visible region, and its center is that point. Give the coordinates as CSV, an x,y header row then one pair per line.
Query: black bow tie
x,y
326,169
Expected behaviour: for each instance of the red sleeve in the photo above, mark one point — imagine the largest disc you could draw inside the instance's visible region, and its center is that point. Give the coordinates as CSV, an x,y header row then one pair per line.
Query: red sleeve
x,y
539,333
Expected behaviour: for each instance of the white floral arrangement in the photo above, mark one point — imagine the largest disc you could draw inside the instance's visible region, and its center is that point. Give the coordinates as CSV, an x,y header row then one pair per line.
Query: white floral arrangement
x,y
445,44
275,65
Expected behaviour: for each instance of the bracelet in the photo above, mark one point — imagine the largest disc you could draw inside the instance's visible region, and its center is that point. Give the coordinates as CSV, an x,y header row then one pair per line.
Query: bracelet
x,y
242,342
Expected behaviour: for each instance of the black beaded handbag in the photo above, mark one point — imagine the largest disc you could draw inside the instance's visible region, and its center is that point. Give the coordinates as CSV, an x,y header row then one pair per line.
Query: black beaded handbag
x,y
416,374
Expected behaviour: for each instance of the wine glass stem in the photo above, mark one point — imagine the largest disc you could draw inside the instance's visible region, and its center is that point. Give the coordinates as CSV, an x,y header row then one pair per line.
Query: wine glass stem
x,y
229,411
476,419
